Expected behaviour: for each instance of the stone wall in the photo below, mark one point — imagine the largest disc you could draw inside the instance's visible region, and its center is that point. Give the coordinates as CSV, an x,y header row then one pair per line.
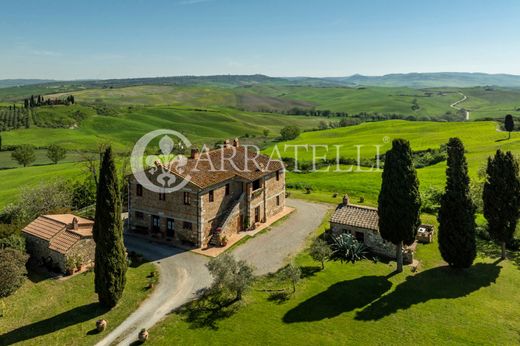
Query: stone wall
x,y
85,249
39,250
172,207
275,194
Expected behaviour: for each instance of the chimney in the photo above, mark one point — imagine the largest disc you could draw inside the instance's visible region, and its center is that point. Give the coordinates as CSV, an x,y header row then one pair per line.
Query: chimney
x,y
75,224
236,143
346,200
194,153
226,143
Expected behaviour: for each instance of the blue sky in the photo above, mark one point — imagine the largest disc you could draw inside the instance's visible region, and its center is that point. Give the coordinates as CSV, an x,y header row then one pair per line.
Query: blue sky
x,y
132,38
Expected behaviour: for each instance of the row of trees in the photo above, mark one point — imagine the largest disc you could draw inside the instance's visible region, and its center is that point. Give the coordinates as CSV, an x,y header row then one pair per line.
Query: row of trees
x,y
400,202
38,100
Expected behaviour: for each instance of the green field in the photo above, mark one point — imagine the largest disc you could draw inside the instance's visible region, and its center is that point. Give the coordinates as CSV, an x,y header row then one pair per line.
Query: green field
x,y
125,127
364,304
480,139
64,312
482,101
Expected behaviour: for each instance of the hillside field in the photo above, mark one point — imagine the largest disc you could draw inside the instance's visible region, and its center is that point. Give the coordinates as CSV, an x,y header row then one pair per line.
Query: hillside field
x,y
124,126
480,139
482,101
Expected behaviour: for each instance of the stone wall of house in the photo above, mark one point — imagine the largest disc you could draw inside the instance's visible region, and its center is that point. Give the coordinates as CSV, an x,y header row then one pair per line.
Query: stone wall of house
x,y
373,241
85,249
37,247
275,194
172,207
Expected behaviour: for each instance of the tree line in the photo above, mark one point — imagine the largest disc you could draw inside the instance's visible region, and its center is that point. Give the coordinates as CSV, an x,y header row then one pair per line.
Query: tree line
x,y
38,100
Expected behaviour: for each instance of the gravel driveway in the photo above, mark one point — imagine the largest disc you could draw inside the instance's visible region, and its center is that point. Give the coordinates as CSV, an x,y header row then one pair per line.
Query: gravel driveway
x,y
182,273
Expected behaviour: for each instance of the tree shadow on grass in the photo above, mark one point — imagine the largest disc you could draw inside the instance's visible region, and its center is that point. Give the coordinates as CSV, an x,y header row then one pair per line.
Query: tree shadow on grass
x,y
309,271
436,283
66,319
206,314
340,297
492,250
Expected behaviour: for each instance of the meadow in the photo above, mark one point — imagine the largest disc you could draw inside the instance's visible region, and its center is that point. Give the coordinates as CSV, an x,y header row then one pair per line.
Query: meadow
x,y
126,125
480,139
68,314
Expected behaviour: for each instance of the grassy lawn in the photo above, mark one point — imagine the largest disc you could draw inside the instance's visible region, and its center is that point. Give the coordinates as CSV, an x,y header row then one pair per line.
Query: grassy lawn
x,y
55,312
364,303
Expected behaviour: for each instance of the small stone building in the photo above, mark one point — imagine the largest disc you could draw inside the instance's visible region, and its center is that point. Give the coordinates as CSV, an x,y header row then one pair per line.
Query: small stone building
x,y
54,239
363,223
229,190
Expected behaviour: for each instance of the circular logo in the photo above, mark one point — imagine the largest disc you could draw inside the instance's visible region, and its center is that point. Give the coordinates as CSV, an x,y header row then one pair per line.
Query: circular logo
x,y
155,172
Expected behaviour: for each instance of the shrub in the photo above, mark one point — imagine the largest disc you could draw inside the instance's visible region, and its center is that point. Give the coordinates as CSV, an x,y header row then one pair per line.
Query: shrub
x,y
320,251
290,273
12,271
431,200
229,276
13,241
346,248
289,132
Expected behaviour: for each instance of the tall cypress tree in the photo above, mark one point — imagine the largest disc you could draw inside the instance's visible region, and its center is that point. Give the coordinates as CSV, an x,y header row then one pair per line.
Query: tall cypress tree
x,y
399,199
502,197
110,262
509,124
456,217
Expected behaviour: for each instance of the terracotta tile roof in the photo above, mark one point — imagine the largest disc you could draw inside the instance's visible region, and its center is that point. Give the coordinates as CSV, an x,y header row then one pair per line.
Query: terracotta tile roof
x,y
218,165
356,216
64,241
44,227
58,230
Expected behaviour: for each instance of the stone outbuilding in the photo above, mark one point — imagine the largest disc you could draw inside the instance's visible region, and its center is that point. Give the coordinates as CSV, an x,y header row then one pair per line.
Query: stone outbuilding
x,y
363,223
61,241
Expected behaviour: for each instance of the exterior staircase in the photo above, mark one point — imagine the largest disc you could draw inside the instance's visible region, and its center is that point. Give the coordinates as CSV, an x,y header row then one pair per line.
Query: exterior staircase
x,y
225,219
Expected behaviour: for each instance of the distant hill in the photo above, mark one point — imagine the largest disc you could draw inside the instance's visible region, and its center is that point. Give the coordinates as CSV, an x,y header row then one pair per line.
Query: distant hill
x,y
7,83
14,88
428,80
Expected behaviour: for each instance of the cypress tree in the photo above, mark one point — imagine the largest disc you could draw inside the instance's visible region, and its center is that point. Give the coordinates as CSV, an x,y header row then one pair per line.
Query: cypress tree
x,y
399,199
509,124
110,262
456,217
502,197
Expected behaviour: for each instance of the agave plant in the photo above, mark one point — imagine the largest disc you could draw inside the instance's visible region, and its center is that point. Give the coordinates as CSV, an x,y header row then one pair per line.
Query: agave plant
x,y
346,248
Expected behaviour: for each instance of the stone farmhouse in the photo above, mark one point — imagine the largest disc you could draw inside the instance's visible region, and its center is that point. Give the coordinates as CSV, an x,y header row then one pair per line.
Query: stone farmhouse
x,y
56,240
363,223
229,190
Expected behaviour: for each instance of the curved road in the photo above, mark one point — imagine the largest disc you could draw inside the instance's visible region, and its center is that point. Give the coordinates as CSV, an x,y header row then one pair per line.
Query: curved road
x,y
454,104
182,273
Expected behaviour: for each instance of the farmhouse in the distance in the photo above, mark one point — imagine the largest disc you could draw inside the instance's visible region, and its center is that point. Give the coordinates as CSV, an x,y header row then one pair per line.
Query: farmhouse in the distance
x,y
56,240
222,197
363,223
